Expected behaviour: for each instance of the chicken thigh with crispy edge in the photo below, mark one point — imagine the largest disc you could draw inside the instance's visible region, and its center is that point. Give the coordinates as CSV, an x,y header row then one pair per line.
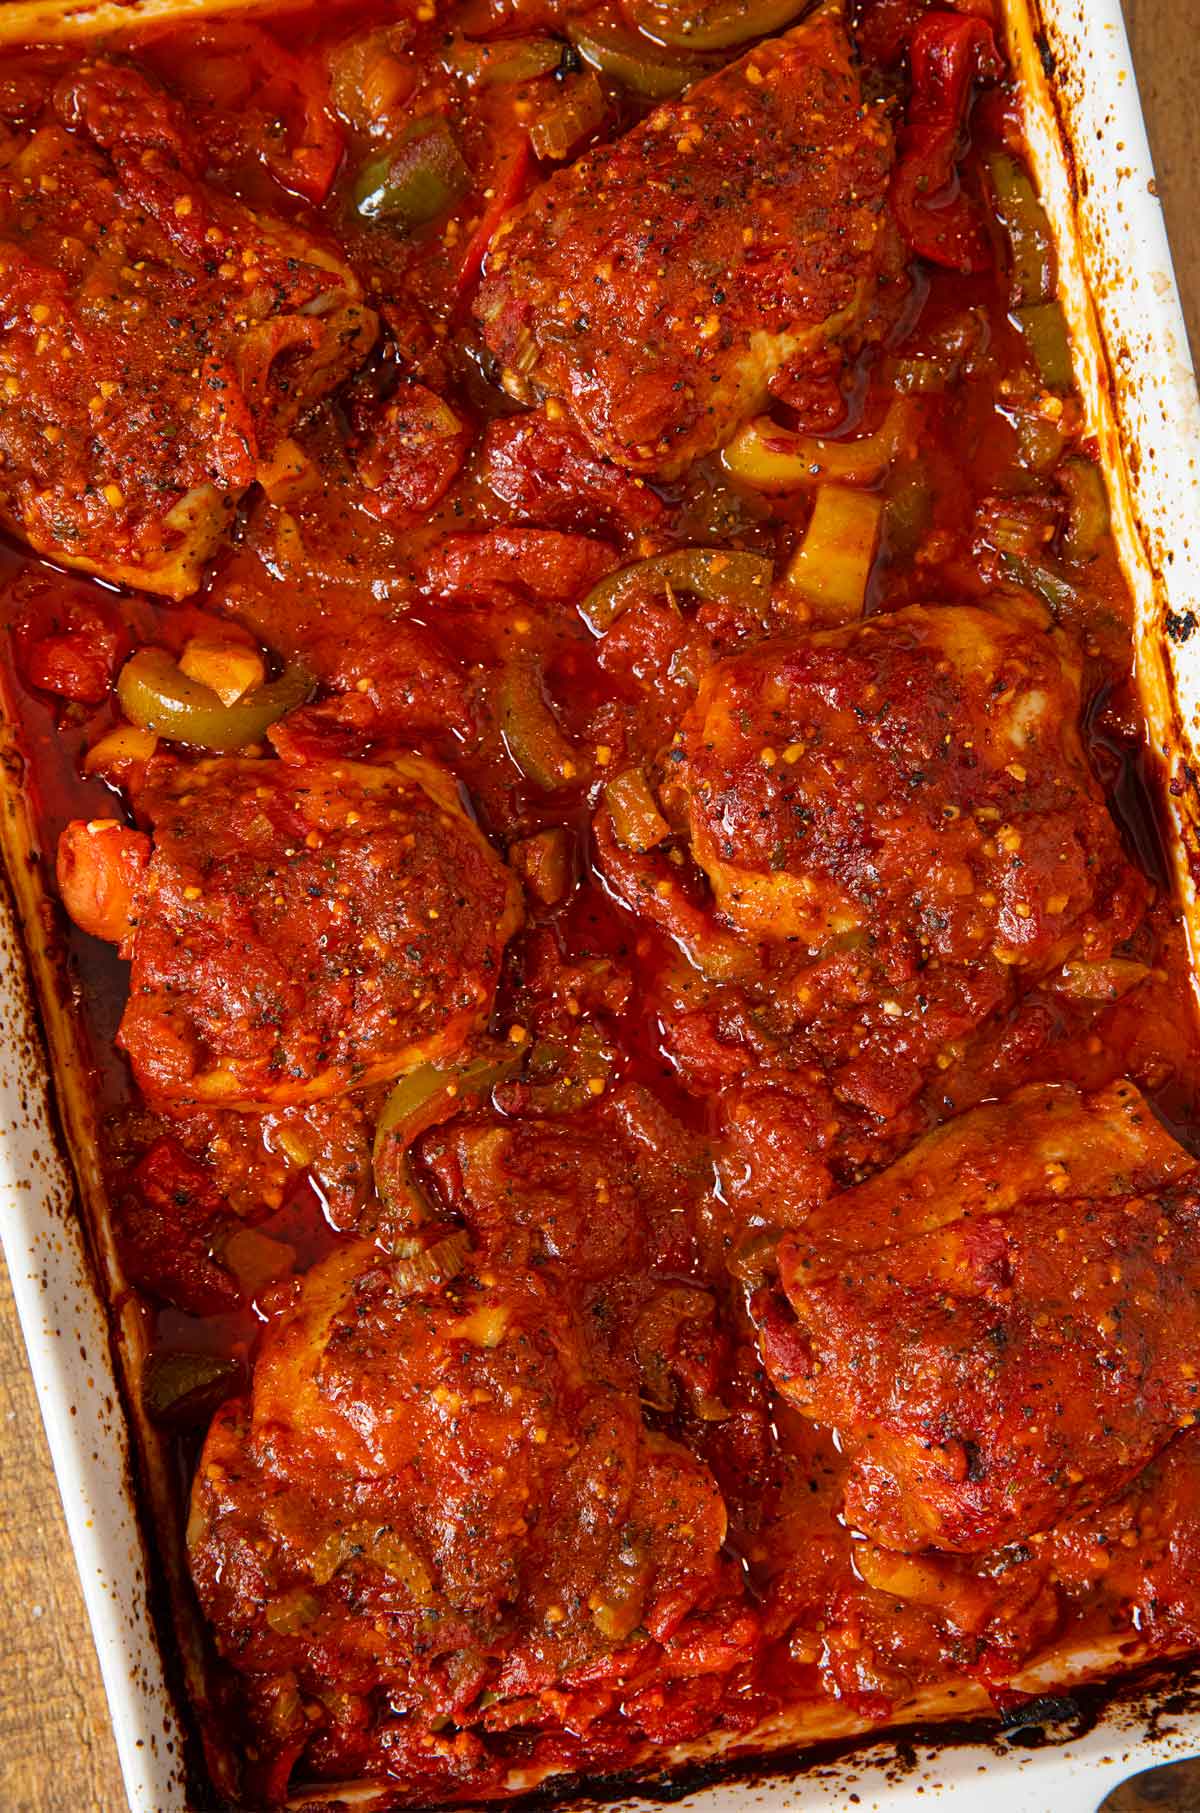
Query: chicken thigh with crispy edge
x,y
438,1499
659,284
1003,1326
159,336
294,931
900,830
916,780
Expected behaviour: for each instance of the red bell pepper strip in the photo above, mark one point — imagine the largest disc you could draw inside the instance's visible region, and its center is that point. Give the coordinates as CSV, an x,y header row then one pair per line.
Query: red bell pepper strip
x,y
506,185
314,148
947,52
887,25
294,90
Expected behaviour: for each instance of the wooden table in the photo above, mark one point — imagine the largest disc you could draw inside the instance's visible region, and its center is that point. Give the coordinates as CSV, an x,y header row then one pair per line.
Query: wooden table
x,y
56,1748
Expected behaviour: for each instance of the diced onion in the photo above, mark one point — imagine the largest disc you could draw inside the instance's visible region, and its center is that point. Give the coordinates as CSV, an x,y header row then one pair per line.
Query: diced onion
x,y
1106,980
503,60
433,1265
292,1611
380,1546
256,1260
564,123
122,746
230,669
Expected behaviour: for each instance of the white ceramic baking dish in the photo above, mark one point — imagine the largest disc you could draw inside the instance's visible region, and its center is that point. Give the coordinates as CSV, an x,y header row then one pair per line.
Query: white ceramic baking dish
x,y
1089,147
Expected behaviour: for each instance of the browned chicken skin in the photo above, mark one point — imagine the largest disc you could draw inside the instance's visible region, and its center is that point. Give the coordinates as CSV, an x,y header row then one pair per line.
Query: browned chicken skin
x,y
163,335
1002,1327
660,283
298,929
917,778
643,1242
465,1464
901,809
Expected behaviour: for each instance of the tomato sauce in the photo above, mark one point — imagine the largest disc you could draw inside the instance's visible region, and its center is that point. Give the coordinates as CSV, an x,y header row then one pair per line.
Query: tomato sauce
x,y
627,923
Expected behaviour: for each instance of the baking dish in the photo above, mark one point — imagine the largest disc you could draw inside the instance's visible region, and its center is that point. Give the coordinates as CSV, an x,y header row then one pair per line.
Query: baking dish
x,y
1086,138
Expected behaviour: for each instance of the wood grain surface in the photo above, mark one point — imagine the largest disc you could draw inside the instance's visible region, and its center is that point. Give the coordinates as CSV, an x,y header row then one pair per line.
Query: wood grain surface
x,y
56,1747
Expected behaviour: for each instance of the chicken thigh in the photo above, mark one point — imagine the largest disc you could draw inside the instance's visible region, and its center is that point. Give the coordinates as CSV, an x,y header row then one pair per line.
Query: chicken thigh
x,y
659,284
295,930
1002,1327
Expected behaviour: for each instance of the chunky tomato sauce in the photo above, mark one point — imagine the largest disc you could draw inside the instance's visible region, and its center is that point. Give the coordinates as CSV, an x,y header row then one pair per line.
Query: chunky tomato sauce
x,y
577,705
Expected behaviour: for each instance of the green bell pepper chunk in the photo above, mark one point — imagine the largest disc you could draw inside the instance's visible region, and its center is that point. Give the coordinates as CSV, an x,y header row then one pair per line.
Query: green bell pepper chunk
x,y
155,695
631,61
416,179
711,24
715,574
424,1098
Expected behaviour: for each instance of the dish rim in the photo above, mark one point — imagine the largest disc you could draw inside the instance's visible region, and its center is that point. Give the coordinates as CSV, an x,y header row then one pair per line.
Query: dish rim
x,y
1088,142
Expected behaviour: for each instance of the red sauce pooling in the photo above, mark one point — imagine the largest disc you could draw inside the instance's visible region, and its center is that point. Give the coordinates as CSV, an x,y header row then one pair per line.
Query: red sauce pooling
x,y
513,1447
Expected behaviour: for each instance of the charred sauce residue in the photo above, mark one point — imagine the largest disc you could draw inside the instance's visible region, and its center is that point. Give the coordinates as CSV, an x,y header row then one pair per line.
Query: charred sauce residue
x,y
577,696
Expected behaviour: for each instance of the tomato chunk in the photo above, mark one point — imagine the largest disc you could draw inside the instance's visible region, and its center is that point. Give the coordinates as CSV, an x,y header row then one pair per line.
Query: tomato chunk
x,y
101,874
67,641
